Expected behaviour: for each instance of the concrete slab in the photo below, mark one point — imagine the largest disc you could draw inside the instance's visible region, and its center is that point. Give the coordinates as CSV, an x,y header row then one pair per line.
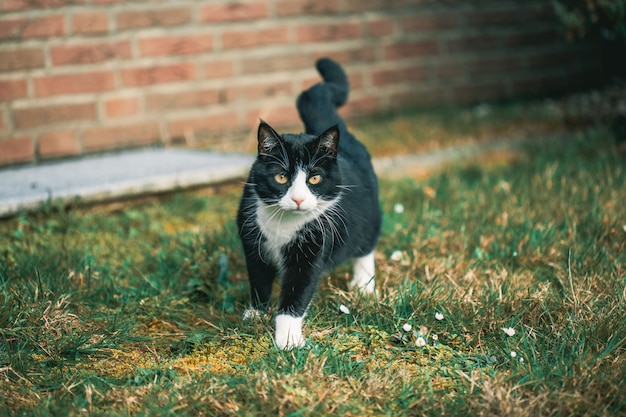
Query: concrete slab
x,y
105,177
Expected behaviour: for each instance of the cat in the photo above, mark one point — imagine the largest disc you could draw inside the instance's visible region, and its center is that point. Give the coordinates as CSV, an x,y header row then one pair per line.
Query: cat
x,y
310,204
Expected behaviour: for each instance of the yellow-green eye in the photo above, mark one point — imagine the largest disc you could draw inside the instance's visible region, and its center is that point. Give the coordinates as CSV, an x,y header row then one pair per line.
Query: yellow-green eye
x,y
281,178
315,179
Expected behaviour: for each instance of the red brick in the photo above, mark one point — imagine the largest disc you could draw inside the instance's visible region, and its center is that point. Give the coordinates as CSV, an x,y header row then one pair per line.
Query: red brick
x,y
348,55
423,96
398,75
289,62
16,5
11,28
3,122
172,16
74,83
411,49
328,32
17,149
87,53
40,27
218,69
123,135
233,11
361,105
373,5
357,80
176,45
257,91
276,116
53,114
199,126
158,74
19,59
380,27
121,106
255,37
184,99
45,27
54,144
12,89
306,7
90,23
425,22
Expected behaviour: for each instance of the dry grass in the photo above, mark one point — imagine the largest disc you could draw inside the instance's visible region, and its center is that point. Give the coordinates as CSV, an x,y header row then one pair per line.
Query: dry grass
x,y
134,311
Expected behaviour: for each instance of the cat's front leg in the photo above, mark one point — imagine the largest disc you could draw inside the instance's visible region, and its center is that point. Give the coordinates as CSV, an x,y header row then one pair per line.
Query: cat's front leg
x,y
297,290
261,277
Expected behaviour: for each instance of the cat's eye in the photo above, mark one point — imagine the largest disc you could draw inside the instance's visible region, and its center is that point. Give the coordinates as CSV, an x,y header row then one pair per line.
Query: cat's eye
x,y
281,178
315,179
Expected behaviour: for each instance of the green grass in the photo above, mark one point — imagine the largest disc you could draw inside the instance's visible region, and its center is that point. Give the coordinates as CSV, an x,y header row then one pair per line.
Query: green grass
x,y
137,310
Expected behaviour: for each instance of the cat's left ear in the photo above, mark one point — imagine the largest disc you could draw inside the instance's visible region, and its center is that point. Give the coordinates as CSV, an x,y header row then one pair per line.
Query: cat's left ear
x,y
268,138
328,142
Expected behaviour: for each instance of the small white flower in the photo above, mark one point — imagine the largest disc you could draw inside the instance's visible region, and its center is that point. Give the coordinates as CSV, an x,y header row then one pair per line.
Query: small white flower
x,y
344,309
435,338
407,327
513,354
521,359
509,331
420,342
398,208
438,316
396,256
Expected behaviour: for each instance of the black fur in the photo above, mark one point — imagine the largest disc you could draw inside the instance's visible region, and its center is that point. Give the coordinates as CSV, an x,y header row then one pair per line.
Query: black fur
x,y
349,230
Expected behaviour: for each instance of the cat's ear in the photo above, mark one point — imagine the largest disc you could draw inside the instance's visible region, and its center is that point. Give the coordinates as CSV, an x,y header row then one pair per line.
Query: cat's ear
x,y
268,138
328,142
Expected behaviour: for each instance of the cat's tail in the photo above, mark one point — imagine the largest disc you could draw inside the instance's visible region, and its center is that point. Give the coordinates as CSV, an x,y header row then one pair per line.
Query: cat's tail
x,y
318,105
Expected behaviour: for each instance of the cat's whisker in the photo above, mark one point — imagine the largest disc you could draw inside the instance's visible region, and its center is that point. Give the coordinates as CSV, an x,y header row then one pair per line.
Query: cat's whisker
x,y
335,217
281,162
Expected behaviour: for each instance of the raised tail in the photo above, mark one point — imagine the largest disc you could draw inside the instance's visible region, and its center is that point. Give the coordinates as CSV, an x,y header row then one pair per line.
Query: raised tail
x,y
318,105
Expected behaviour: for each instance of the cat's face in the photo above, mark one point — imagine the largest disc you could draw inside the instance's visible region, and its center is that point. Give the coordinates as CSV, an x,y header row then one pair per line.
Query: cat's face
x,y
297,173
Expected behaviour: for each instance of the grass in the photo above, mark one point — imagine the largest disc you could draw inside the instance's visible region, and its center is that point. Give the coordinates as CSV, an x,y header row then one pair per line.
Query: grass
x,y
423,130
136,310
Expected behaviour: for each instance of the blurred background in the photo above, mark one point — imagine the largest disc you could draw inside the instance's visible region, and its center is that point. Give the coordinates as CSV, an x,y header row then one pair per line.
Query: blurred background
x,y
84,76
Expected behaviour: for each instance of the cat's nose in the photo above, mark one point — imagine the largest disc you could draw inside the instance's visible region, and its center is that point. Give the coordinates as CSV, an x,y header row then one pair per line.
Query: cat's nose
x,y
298,201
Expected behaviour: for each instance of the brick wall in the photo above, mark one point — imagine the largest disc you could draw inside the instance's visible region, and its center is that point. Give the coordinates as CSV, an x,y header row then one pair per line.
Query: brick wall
x,y
80,76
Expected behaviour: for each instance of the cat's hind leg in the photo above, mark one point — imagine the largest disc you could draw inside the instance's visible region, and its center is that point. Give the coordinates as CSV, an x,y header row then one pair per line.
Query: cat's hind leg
x,y
363,276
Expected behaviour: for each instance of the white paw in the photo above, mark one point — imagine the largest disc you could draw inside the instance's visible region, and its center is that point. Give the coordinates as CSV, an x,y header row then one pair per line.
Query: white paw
x,y
289,332
251,314
364,286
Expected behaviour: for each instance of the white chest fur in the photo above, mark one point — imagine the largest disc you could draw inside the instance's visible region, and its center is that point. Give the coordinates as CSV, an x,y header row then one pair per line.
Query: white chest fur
x,y
279,227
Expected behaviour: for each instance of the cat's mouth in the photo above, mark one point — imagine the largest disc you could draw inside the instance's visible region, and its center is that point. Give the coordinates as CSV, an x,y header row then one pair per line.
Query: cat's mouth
x,y
297,210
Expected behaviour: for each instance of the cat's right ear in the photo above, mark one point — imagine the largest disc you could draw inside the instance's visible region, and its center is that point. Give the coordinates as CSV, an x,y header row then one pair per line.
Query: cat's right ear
x,y
268,138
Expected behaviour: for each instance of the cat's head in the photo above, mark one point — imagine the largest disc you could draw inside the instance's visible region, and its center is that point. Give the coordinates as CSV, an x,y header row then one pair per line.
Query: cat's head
x,y
297,172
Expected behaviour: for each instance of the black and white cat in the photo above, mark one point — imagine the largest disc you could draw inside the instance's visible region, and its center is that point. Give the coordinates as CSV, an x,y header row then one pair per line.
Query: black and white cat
x,y
310,203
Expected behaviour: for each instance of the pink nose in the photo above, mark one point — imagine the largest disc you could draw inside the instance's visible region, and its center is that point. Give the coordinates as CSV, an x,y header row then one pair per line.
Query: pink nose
x,y
298,201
